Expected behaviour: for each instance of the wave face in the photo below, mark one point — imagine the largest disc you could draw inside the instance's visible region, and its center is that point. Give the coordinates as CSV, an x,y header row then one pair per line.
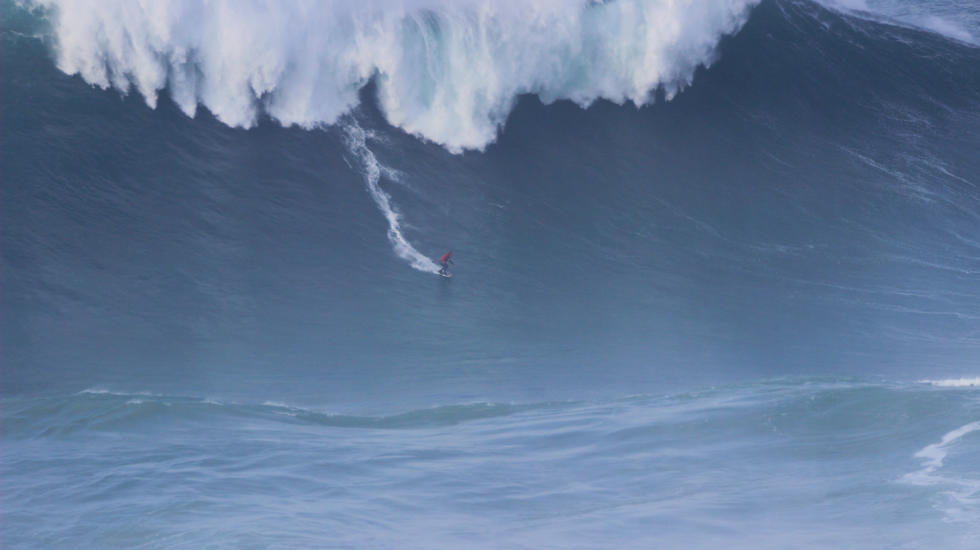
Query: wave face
x,y
448,71
808,203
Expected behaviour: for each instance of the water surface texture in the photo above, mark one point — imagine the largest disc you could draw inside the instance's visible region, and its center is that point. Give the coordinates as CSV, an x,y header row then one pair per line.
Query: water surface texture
x,y
717,276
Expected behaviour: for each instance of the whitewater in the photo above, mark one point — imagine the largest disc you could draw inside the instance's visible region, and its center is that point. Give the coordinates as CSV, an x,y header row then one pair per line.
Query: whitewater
x,y
717,274
449,72
446,71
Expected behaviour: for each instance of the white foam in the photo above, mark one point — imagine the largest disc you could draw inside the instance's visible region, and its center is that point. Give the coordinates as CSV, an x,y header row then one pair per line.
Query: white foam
x,y
446,70
961,504
103,391
356,138
934,455
954,382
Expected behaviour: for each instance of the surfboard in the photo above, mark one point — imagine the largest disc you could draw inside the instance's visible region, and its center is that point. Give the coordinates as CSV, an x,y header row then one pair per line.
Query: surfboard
x,y
447,275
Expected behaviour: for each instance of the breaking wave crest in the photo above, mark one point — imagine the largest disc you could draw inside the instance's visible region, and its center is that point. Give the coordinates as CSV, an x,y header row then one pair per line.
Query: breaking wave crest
x,y
448,71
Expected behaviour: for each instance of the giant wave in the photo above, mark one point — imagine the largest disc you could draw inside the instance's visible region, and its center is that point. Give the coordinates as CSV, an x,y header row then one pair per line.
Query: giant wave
x,y
681,325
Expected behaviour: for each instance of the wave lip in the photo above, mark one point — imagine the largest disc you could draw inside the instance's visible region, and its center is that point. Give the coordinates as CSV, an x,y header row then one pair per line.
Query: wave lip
x,y
446,70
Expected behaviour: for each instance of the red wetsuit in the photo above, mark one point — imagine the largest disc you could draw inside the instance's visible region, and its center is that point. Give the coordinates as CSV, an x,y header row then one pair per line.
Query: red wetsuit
x,y
445,260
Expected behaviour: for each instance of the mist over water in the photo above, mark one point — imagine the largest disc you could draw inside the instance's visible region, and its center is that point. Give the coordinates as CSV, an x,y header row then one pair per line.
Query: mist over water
x,y
716,275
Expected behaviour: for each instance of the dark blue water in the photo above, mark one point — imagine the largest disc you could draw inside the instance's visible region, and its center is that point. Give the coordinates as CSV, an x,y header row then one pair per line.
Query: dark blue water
x,y
732,318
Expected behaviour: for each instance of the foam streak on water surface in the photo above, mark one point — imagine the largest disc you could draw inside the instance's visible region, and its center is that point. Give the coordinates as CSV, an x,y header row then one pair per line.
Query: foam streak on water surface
x,y
955,382
959,502
356,139
933,455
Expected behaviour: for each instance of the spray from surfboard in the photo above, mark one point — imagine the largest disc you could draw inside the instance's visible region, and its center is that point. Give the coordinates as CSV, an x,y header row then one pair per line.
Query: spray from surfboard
x,y
356,139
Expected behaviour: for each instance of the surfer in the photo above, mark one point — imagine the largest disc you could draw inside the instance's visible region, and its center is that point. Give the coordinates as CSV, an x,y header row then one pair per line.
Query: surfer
x,y
445,261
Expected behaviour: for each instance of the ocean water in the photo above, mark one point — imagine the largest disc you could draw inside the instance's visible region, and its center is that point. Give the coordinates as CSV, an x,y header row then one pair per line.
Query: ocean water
x,y
717,276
